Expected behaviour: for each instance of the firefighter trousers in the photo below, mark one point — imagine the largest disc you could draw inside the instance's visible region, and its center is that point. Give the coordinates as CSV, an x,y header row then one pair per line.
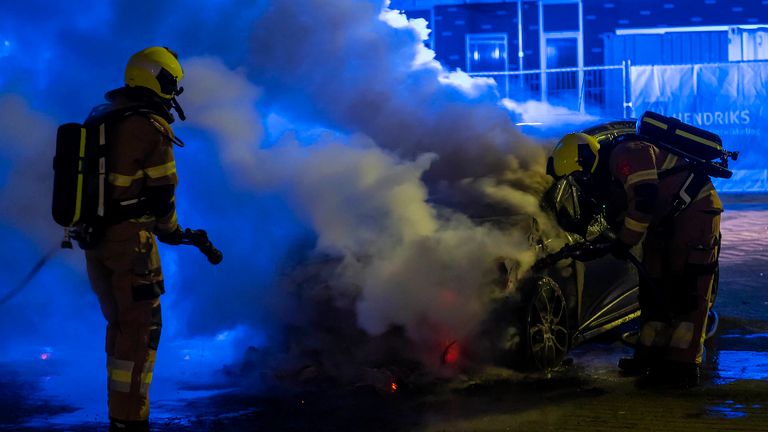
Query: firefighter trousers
x,y
681,257
125,274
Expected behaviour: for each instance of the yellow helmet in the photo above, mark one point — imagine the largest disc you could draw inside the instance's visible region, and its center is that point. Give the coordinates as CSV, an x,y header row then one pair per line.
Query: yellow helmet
x,y
156,68
574,152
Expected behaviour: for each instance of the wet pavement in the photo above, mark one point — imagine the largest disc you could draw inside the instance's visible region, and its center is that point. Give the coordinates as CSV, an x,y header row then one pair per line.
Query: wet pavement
x,y
587,395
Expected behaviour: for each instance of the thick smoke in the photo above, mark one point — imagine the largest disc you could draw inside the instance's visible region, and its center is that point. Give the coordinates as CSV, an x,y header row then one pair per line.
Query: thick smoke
x,y
383,161
410,136
422,267
387,89
25,141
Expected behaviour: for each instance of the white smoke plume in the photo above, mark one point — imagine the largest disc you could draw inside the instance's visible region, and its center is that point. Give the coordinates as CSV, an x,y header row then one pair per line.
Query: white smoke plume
x,y
418,266
412,139
537,111
383,87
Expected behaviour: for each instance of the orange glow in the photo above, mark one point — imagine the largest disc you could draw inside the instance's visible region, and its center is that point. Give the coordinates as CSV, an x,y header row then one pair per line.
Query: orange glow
x,y
451,353
394,387
449,297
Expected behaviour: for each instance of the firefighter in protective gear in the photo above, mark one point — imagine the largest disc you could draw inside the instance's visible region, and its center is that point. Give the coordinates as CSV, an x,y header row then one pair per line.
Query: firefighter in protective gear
x,y
124,267
680,243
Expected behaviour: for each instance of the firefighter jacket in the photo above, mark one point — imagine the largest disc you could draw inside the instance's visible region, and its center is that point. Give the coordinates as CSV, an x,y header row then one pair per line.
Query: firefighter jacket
x,y
142,169
650,191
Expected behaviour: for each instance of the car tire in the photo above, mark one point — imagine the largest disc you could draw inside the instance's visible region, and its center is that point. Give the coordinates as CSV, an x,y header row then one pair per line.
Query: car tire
x,y
546,338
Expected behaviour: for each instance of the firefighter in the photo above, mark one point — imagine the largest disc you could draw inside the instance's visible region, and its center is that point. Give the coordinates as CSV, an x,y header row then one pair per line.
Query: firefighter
x,y
124,266
646,188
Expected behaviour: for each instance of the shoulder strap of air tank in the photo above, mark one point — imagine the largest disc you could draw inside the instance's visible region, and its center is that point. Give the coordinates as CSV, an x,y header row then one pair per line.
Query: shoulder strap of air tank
x,y
162,126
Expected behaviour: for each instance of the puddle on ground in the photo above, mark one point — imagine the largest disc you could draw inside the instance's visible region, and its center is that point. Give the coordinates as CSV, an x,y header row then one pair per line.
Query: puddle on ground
x,y
726,410
730,366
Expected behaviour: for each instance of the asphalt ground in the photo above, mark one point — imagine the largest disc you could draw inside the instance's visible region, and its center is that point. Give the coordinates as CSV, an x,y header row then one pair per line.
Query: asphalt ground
x,y
587,395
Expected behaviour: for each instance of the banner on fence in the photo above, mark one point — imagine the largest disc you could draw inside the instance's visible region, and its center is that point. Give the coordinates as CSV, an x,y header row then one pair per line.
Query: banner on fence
x,y
730,100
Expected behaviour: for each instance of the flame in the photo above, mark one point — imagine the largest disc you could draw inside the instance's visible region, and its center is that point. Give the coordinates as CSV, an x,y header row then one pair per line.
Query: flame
x,y
451,353
394,387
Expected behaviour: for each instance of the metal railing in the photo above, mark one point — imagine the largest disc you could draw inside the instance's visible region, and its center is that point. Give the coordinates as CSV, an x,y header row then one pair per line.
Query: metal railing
x,y
596,90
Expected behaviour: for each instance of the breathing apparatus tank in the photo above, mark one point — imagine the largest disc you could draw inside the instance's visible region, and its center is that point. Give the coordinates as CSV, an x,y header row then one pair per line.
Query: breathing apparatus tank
x,y
695,145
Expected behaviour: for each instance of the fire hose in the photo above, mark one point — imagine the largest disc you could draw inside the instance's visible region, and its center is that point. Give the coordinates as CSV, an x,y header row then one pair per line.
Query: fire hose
x,y
29,276
586,251
197,238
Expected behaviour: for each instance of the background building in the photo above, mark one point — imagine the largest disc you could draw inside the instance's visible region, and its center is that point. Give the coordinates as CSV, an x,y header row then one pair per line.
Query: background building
x,y
485,35
703,61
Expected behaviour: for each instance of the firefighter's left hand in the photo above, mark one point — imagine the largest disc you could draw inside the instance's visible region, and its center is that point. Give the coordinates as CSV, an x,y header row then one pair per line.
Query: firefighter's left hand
x,y
173,238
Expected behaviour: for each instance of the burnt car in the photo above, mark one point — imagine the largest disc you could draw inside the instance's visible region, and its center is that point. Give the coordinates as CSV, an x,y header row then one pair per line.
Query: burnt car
x,y
535,317
565,302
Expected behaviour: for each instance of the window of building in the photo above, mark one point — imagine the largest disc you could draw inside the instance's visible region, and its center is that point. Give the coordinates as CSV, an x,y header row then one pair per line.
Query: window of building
x,y
561,17
487,52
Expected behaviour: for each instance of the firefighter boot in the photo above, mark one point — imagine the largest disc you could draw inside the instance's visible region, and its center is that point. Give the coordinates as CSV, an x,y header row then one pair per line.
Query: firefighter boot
x,y
631,366
682,374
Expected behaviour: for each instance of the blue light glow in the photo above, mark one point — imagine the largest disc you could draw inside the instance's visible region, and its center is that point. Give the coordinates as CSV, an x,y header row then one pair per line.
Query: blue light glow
x,y
727,410
60,63
265,201
740,365
309,131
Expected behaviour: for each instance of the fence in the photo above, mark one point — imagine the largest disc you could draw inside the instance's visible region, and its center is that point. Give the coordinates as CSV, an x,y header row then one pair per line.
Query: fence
x,y
724,98
599,90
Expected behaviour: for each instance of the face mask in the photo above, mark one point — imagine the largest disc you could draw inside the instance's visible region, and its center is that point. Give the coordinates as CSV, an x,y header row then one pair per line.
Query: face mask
x,y
175,104
572,205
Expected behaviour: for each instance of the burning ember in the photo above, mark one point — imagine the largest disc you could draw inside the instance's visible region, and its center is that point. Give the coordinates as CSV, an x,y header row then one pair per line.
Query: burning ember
x,y
451,353
394,386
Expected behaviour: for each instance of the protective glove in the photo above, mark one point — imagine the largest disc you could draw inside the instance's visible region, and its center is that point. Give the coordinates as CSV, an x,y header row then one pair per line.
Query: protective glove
x,y
172,238
615,246
592,251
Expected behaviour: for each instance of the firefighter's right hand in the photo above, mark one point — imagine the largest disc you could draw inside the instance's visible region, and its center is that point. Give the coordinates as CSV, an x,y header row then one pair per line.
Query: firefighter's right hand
x,y
592,251
172,238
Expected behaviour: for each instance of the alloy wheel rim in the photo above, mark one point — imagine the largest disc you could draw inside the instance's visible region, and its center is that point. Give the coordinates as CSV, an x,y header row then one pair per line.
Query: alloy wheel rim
x,y
547,333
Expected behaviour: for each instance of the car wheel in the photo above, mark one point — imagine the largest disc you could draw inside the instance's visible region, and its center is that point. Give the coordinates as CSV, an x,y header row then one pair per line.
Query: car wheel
x,y
547,337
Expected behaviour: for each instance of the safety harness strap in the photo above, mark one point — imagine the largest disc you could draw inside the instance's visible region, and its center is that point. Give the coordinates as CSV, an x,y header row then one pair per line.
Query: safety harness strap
x,y
690,190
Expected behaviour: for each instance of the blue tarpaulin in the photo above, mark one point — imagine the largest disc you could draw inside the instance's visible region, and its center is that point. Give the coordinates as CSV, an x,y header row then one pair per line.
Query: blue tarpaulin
x,y
730,100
